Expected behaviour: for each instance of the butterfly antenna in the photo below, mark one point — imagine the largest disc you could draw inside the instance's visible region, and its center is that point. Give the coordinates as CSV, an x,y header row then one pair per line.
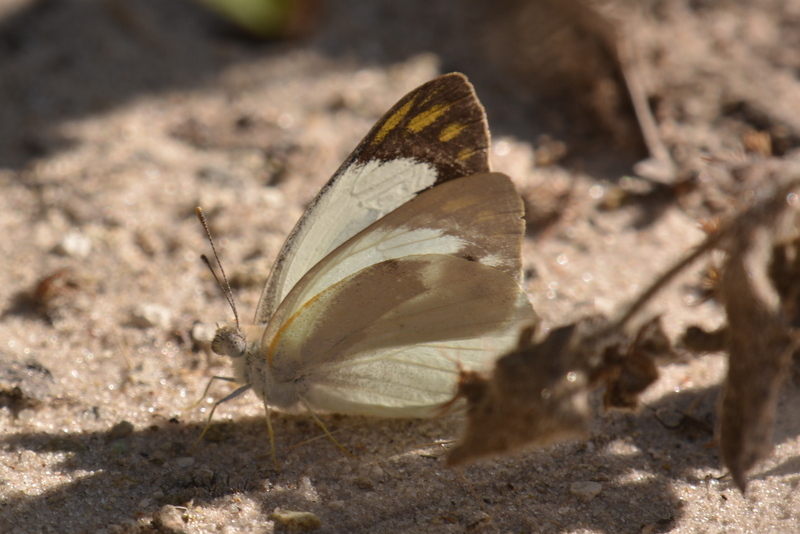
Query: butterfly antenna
x,y
225,288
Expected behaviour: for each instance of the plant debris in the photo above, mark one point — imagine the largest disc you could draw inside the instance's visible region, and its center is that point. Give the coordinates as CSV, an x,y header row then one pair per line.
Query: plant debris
x,y
534,398
759,287
538,394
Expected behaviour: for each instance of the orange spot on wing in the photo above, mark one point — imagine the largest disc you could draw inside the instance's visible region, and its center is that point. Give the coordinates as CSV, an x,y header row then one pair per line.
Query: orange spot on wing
x,y
427,117
466,154
392,122
274,341
451,131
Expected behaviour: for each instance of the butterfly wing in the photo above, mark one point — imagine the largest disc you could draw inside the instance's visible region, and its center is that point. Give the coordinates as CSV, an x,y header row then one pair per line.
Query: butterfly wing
x,y
387,340
389,313
478,218
435,134
409,381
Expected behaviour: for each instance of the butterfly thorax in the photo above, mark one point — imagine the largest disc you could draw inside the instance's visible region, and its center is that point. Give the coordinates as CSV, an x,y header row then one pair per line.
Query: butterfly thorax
x,y
251,367
279,388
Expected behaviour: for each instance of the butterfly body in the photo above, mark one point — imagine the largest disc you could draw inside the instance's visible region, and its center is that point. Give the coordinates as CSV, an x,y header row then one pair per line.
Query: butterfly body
x,y
404,270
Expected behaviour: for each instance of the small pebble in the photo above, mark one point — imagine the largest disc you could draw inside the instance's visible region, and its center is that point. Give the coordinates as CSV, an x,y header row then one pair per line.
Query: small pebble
x,y
170,519
376,473
364,483
585,491
74,245
204,474
149,241
150,315
186,461
203,333
23,384
120,430
669,417
273,197
296,521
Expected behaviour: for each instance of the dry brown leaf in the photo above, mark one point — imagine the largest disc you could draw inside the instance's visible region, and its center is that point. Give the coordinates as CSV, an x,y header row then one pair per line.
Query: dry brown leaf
x,y
538,394
531,398
760,348
48,297
758,285
634,371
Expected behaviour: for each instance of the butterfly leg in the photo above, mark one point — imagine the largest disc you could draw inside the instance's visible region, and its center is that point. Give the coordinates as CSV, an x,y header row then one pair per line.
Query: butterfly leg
x,y
271,438
208,386
233,395
325,429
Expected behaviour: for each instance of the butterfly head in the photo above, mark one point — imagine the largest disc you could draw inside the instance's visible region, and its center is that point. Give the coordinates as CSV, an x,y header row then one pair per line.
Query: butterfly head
x,y
243,346
229,341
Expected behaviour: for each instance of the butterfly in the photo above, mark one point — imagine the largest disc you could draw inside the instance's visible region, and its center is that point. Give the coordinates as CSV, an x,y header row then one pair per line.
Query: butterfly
x,y
404,271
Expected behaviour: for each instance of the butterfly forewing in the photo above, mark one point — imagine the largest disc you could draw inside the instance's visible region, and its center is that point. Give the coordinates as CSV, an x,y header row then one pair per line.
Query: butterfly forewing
x,y
435,134
477,218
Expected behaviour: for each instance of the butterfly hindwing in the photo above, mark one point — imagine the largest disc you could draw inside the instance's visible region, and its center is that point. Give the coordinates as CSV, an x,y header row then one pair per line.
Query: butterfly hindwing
x,y
407,381
435,134
363,340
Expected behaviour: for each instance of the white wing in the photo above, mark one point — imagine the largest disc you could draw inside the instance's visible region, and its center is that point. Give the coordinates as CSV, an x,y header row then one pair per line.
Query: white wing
x,y
440,131
385,341
410,381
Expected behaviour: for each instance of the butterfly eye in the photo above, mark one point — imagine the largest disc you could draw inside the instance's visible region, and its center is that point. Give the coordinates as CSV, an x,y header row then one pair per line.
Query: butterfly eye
x,y
229,341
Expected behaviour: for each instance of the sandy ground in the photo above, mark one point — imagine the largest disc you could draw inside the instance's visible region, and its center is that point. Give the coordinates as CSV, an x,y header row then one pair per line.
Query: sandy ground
x,y
118,118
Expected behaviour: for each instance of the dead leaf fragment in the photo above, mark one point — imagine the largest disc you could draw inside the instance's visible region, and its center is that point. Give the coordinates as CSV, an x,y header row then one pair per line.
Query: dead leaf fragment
x,y
24,384
760,347
636,370
536,395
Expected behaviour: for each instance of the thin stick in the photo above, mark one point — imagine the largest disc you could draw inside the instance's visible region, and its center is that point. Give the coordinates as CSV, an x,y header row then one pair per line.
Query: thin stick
x,y
629,62
667,277
471,488
760,210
